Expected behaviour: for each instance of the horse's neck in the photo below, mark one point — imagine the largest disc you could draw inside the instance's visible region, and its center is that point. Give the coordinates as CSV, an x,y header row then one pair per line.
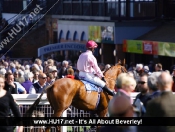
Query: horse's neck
x,y
110,77
110,81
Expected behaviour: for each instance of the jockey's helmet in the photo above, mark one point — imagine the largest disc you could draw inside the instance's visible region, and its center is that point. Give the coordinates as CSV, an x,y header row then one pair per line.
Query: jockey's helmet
x,y
91,44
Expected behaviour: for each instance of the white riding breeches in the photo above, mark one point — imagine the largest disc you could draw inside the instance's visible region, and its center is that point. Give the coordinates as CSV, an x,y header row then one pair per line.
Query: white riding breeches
x,y
90,77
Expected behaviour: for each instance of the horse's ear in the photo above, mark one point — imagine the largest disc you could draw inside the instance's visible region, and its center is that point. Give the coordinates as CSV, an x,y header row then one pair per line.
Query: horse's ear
x,y
124,62
119,62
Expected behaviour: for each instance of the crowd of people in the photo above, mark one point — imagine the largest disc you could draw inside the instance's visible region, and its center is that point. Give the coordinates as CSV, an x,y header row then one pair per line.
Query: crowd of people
x,y
154,85
155,97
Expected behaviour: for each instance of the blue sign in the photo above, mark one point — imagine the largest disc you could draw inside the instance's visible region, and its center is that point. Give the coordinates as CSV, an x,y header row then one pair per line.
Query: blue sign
x,y
61,46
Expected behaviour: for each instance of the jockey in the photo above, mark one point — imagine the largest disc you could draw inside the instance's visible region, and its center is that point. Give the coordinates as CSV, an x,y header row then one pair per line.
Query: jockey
x,y
89,70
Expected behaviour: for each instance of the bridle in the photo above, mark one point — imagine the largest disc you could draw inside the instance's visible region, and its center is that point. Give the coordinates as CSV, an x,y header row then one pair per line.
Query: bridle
x,y
123,70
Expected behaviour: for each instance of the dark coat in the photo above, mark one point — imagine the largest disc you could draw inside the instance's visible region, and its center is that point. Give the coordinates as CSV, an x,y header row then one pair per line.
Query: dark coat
x,y
143,98
161,106
62,72
154,95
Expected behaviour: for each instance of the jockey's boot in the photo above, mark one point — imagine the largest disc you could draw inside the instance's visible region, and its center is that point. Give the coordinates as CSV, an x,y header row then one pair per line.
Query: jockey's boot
x,y
109,91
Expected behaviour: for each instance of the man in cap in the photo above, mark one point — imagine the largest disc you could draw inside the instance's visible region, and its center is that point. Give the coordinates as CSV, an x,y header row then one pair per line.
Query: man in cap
x,y
88,68
54,71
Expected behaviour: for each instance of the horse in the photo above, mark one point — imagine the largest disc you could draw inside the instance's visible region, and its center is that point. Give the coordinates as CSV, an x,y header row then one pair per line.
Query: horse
x,y
66,91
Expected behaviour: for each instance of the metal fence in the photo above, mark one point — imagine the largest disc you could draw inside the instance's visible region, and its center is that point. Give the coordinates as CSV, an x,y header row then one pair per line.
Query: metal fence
x,y
26,100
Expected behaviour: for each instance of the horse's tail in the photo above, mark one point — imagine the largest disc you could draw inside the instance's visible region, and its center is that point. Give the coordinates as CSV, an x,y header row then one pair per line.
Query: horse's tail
x,y
48,87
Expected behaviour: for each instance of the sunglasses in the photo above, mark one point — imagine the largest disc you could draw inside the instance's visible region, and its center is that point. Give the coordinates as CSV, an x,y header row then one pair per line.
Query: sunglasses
x,y
141,82
43,77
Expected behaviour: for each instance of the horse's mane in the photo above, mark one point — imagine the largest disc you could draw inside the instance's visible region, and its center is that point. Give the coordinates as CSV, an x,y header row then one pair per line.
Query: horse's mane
x,y
120,63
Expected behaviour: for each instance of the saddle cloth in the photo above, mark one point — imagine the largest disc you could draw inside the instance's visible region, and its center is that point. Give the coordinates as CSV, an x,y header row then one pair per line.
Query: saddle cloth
x,y
91,87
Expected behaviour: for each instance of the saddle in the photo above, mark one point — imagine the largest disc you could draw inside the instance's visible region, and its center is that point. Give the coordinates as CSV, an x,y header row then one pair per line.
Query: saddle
x,y
91,87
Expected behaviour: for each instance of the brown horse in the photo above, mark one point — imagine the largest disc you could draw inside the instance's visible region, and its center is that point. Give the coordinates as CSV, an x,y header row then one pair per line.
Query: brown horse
x,y
65,92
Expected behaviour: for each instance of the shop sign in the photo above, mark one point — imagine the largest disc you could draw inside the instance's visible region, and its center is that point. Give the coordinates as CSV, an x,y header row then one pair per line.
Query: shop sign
x,y
107,34
166,49
134,46
95,33
150,47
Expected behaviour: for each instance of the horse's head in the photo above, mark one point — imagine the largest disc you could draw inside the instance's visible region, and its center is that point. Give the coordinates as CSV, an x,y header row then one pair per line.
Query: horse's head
x,y
112,73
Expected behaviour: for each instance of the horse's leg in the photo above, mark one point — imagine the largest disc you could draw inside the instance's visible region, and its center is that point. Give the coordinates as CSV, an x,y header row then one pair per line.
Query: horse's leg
x,y
47,129
101,114
58,113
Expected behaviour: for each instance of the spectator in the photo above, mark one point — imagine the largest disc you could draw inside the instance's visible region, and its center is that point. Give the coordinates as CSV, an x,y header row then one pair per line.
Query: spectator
x,y
162,106
146,70
47,69
17,67
39,63
125,84
6,65
143,89
20,88
132,67
35,67
130,73
50,79
50,62
9,83
120,106
153,85
22,68
107,66
63,70
6,103
35,77
30,63
54,71
151,66
101,66
20,78
13,87
70,73
2,72
12,67
139,69
27,69
16,75
28,81
39,86
158,67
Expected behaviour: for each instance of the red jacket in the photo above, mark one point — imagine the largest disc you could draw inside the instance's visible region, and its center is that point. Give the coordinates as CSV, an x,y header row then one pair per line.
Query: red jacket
x,y
70,76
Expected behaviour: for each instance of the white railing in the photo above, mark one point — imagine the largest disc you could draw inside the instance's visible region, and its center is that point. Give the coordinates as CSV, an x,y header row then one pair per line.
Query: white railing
x,y
25,100
28,99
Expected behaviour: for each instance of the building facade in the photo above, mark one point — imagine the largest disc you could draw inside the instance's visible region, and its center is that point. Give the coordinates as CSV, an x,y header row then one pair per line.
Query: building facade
x,y
108,22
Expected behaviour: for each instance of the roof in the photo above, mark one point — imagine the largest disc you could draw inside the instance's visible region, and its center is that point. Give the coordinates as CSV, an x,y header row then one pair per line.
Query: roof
x,y
163,33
